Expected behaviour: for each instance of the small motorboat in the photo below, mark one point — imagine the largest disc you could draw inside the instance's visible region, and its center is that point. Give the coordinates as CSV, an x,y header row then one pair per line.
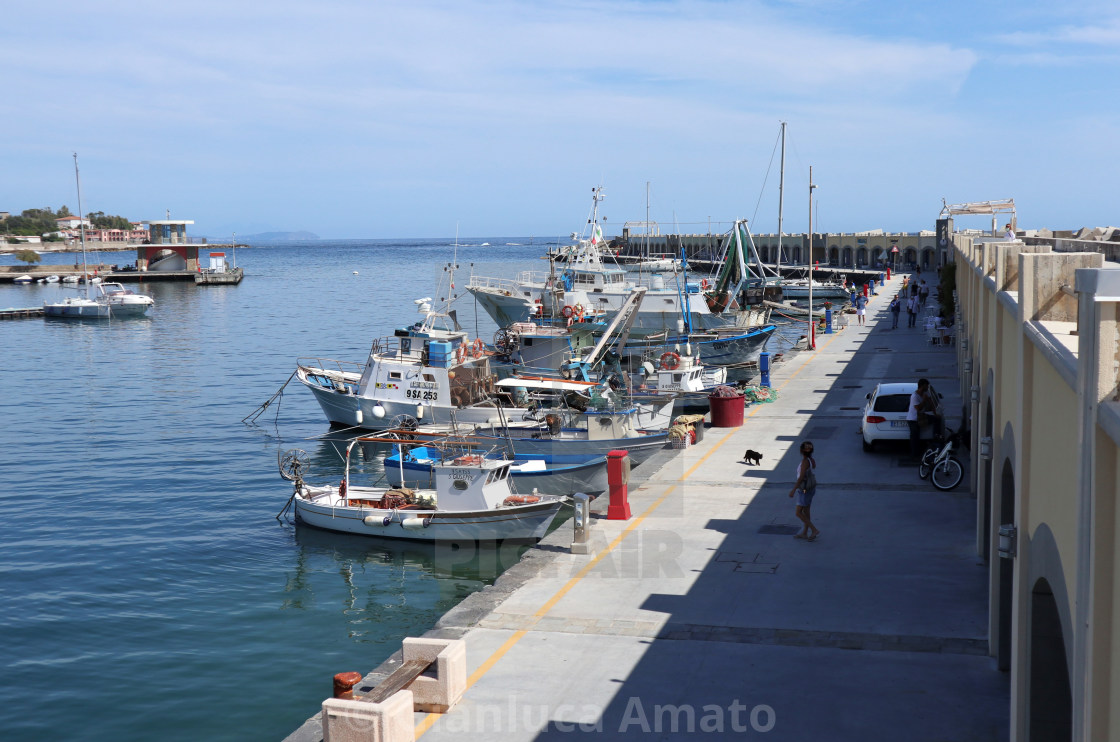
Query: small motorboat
x,y
70,279
471,501
589,477
24,279
51,279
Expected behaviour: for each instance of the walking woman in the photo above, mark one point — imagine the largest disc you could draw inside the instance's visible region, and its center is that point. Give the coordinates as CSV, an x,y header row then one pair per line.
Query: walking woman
x,y
805,487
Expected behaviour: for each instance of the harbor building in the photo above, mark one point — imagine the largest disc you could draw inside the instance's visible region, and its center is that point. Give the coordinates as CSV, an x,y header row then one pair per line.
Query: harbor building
x,y
168,247
870,250
1038,343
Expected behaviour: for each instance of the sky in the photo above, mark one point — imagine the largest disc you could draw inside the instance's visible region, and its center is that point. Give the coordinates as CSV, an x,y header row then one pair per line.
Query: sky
x,y
374,119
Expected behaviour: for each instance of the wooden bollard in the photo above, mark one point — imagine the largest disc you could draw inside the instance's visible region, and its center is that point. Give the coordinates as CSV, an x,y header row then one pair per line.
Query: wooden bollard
x,y
344,683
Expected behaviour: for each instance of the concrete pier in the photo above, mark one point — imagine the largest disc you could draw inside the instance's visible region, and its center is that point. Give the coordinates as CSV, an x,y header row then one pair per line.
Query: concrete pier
x,y
703,616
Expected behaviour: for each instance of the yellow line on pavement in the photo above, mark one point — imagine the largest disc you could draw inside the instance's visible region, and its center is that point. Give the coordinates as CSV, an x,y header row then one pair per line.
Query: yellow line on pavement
x,y
548,605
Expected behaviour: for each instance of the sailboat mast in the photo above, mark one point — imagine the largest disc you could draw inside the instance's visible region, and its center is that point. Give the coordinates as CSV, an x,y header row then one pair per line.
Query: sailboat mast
x,y
812,318
81,222
781,202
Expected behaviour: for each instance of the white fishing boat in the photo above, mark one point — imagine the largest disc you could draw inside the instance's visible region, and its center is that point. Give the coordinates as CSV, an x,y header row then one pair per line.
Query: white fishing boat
x,y
800,289
415,466
24,279
70,279
471,501
52,279
586,281
112,300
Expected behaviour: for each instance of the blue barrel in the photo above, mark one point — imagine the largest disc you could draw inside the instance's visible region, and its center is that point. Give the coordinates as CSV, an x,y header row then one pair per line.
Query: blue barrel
x,y
828,321
764,368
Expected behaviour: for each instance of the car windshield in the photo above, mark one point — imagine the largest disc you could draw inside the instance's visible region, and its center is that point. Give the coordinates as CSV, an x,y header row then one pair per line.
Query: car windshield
x,y
892,403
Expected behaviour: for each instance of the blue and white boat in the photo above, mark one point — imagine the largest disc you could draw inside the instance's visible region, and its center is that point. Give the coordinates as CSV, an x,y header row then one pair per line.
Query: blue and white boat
x,y
417,469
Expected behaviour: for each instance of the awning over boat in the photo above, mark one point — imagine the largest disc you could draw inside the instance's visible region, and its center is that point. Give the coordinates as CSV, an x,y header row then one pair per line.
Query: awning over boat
x,y
557,385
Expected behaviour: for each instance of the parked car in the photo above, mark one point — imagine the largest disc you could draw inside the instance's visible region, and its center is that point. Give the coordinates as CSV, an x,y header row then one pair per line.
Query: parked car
x,y
884,415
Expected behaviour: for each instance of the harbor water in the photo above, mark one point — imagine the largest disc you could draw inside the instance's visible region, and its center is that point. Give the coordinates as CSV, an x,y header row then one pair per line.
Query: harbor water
x,y
148,589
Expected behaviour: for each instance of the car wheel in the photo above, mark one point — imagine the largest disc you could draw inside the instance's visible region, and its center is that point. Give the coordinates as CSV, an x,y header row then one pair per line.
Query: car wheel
x,y
868,447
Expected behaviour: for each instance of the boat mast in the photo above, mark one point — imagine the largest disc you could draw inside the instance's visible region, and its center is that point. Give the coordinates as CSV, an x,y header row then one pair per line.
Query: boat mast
x,y
781,203
812,318
81,225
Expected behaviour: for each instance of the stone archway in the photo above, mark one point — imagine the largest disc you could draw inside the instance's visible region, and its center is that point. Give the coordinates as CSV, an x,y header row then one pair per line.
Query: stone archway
x,y
927,258
1006,568
1051,700
861,256
847,257
986,427
834,256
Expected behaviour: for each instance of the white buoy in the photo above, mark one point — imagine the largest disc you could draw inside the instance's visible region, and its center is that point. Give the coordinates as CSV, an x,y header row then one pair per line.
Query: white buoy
x,y
374,520
415,524
358,417
378,411
355,273
419,412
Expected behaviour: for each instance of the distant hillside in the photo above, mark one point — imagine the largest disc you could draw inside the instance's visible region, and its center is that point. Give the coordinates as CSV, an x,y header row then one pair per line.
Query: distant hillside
x,y
277,236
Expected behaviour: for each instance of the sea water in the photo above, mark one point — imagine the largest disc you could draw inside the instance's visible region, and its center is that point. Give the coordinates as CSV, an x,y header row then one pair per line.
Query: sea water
x,y
148,589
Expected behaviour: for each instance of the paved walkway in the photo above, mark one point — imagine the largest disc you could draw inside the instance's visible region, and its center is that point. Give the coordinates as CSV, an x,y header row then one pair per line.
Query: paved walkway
x,y
702,614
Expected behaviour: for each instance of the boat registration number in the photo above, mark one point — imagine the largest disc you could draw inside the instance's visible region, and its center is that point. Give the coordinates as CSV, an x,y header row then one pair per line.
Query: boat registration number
x,y
899,424
420,394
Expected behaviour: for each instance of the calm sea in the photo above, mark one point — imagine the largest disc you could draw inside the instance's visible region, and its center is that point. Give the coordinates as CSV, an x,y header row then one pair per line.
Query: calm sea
x,y
147,588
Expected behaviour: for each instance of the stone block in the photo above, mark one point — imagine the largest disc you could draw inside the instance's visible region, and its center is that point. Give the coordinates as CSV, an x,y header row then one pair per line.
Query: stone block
x,y
359,721
438,694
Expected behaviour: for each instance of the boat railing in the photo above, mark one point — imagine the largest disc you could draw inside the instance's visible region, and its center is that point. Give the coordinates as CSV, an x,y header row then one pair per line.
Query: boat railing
x,y
513,285
329,367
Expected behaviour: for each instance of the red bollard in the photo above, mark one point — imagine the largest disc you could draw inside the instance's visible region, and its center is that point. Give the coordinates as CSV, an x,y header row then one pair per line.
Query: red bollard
x,y
344,683
888,273
865,290
618,475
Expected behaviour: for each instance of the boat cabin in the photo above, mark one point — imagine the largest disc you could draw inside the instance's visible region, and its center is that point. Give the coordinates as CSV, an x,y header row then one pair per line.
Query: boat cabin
x,y
471,482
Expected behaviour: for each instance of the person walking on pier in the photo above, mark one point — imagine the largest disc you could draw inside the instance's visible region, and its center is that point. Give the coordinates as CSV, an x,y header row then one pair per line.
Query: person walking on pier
x,y
896,310
922,411
912,311
804,488
861,307
923,294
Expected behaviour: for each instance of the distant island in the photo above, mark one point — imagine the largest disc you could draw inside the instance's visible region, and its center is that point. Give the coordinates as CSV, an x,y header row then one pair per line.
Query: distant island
x,y
277,237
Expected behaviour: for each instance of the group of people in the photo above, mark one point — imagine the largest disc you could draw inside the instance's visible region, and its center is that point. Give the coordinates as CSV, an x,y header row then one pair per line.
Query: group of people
x,y
914,303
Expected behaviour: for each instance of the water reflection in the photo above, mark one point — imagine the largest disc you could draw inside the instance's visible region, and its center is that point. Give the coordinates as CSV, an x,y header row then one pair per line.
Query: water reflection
x,y
376,583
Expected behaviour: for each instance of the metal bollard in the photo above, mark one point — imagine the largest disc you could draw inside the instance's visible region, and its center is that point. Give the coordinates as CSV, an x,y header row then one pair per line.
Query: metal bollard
x,y
618,476
764,369
344,683
581,524
828,321
865,290
872,286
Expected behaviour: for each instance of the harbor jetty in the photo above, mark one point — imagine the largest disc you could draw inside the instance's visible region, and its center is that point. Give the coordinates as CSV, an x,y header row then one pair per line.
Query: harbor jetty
x,y
701,614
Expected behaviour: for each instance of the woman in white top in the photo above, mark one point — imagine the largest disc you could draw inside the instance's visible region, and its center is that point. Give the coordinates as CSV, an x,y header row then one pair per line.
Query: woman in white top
x,y
805,487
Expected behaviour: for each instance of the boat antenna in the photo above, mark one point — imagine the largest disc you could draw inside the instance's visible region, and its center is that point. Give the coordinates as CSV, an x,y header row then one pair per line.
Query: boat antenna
x,y
81,225
812,317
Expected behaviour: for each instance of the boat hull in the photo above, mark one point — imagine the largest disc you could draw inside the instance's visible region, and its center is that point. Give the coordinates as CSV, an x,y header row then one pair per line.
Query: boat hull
x,y
556,479
524,523
567,448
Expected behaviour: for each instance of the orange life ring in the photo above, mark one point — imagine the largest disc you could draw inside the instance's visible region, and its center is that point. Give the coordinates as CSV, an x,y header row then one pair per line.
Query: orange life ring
x,y
477,348
670,360
521,500
703,283
567,311
461,352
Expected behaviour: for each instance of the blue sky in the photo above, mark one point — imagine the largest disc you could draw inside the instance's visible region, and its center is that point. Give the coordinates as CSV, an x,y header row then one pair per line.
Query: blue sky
x,y
404,119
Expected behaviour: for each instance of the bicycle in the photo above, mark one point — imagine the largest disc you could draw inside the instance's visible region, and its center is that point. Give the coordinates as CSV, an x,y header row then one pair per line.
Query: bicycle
x,y
939,464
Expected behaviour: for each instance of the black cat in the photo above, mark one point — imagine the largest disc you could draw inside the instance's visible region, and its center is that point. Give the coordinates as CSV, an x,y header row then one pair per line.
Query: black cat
x,y
752,457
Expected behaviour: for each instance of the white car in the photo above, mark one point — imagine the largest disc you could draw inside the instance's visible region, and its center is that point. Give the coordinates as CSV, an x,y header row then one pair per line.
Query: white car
x,y
884,415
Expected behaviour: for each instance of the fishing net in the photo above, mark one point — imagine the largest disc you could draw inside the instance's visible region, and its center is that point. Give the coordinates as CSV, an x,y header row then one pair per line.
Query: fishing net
x,y
760,394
